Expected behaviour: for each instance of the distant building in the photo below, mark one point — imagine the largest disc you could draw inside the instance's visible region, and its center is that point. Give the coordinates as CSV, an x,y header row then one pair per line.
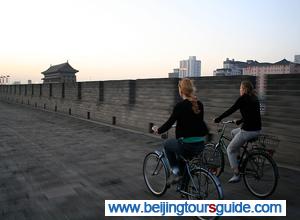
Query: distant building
x,y
29,81
17,82
4,79
190,67
297,59
232,67
223,72
60,73
251,67
174,74
281,67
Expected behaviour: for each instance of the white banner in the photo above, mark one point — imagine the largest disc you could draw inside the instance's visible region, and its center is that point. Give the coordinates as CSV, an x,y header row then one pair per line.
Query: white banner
x,y
195,207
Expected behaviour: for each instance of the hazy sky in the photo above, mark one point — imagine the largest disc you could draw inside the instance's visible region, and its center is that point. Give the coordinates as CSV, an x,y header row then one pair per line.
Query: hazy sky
x,y
129,39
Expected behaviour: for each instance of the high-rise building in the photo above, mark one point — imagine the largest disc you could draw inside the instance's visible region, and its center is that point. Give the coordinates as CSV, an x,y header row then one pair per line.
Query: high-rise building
x,y
190,67
297,59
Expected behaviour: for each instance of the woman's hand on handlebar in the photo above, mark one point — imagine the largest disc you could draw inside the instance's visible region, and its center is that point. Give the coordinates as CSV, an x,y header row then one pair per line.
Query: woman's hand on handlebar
x,y
217,120
155,129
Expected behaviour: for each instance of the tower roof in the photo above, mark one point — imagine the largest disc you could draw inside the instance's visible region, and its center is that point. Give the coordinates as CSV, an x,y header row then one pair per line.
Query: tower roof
x,y
60,68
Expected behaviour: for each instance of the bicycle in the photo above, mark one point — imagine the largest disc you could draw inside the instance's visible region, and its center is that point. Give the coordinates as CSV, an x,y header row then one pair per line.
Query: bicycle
x,y
256,165
197,183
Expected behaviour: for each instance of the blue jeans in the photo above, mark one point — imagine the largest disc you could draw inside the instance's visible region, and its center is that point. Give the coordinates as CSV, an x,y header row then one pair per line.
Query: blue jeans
x,y
174,148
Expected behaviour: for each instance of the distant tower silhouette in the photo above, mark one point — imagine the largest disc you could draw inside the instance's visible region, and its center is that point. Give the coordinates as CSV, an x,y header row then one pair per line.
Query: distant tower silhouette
x,y
60,73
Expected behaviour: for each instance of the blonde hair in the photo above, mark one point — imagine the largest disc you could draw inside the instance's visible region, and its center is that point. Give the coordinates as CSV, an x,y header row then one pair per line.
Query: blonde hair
x,y
188,89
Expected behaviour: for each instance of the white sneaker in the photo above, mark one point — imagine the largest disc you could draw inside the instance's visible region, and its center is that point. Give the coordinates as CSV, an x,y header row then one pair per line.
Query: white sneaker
x,y
175,176
175,171
236,178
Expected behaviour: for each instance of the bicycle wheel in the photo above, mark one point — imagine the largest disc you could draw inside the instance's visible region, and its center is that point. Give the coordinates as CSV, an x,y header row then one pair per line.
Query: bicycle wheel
x,y
213,159
155,174
204,186
260,174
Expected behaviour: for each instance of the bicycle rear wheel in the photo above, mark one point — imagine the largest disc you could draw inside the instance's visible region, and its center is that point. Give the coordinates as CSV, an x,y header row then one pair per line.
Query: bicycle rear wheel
x,y
260,174
204,186
213,159
155,174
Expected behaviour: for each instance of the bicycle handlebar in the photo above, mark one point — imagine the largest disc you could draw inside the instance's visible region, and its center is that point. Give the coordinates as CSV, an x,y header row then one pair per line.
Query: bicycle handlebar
x,y
228,122
165,134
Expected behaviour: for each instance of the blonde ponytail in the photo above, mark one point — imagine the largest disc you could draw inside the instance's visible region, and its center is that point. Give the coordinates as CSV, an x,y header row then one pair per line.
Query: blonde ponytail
x,y
188,89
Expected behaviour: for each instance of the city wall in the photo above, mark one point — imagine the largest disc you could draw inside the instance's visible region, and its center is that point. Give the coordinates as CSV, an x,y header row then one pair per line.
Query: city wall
x,y
138,104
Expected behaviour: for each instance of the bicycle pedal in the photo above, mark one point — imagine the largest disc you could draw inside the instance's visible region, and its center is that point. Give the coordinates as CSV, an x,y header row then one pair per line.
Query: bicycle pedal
x,y
173,180
179,188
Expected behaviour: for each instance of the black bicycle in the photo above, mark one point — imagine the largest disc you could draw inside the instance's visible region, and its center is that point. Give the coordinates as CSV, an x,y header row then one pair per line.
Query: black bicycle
x,y
256,165
196,183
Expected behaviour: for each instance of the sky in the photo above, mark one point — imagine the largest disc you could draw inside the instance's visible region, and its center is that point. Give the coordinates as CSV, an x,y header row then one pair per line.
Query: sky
x,y
132,39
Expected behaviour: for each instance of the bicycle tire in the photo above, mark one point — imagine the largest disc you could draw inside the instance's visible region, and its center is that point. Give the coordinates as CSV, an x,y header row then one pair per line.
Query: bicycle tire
x,y
152,163
249,172
201,179
213,159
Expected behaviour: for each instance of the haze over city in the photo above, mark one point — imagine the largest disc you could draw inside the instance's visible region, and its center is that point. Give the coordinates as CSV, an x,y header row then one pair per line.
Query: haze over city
x,y
129,39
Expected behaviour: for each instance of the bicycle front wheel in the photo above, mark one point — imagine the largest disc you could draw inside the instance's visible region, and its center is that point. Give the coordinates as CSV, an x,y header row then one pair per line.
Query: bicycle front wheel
x,y
213,159
260,174
155,174
204,186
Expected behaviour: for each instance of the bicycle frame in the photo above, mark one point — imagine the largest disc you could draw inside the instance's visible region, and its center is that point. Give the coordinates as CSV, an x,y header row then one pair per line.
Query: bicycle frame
x,y
222,136
186,176
165,161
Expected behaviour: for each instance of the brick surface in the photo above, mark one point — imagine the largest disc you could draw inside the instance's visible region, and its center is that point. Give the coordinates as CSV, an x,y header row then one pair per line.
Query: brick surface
x,y
57,167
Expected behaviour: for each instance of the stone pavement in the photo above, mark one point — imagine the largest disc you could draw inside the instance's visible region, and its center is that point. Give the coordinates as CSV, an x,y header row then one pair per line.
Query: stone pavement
x,y
54,166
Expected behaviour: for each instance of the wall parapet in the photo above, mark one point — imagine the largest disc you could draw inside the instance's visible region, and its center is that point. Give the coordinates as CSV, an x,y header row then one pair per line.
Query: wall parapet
x,y
138,104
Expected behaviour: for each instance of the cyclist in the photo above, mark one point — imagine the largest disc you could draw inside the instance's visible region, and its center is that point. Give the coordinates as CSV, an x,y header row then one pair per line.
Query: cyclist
x,y
250,110
190,127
